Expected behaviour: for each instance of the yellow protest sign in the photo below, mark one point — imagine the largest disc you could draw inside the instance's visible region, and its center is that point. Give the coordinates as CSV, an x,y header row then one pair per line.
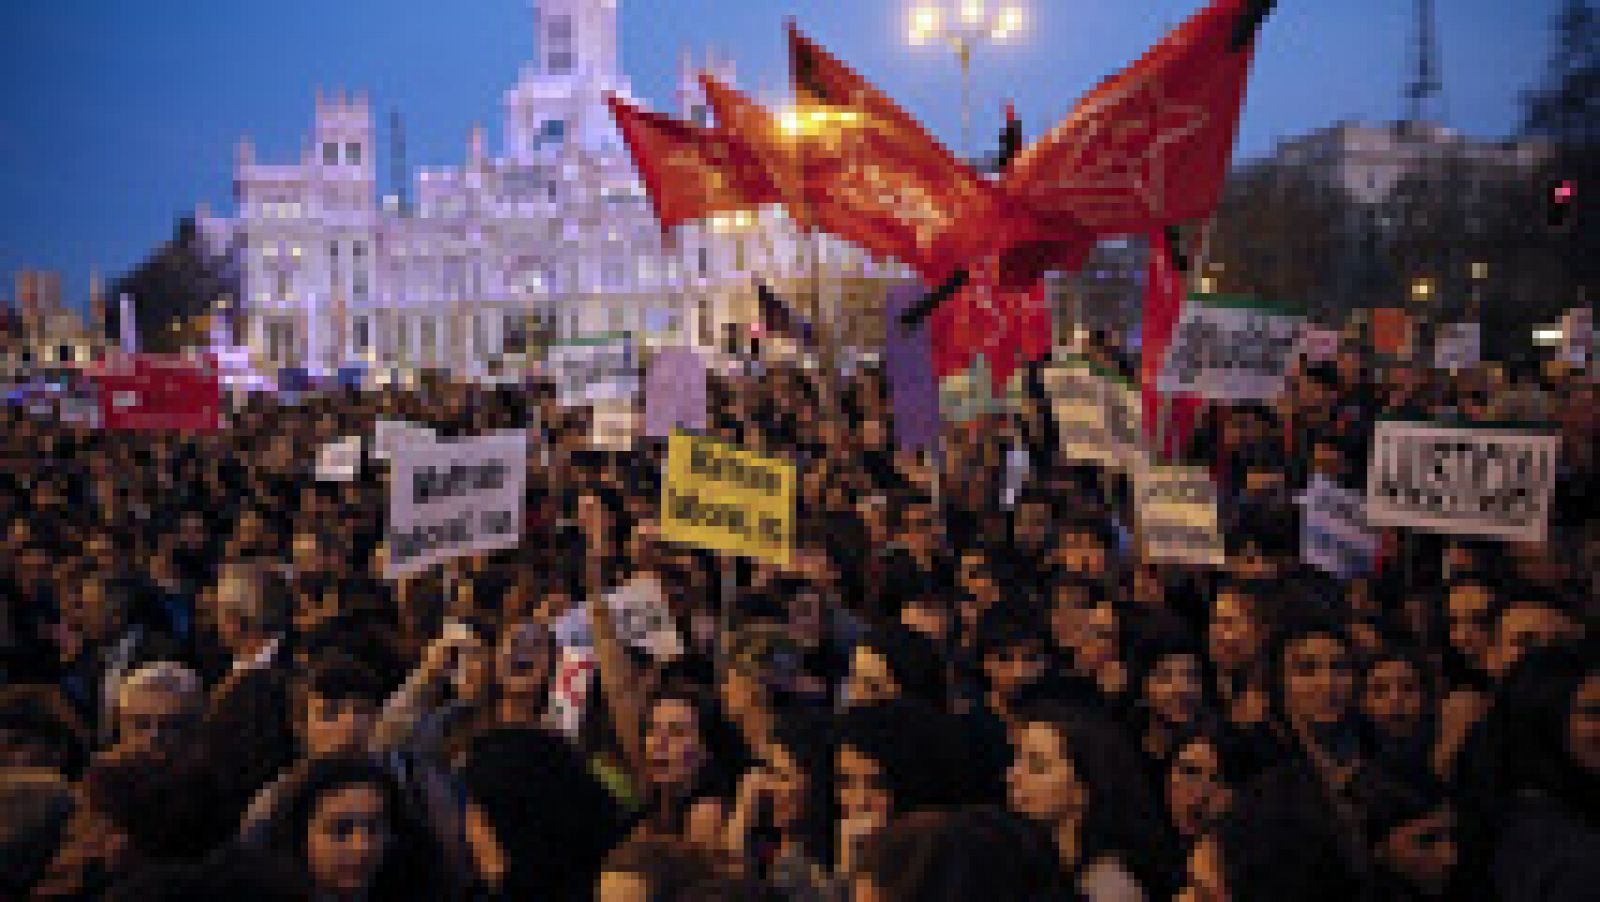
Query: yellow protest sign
x,y
727,499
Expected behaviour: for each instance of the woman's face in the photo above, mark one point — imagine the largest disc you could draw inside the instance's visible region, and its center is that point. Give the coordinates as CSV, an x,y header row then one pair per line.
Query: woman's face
x,y
1423,851
863,792
1042,784
788,785
1318,681
1172,688
346,838
1234,636
674,749
1583,725
1196,793
1393,698
870,680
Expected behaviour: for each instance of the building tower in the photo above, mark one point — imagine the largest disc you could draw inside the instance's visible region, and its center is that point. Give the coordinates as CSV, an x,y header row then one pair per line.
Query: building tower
x,y
1426,84
576,38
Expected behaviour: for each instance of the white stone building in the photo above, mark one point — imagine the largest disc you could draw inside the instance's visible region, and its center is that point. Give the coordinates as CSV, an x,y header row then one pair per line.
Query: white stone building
x,y
553,236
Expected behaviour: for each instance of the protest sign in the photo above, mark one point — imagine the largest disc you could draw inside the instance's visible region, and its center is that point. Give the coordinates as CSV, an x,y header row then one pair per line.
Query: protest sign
x,y
1333,530
388,436
675,392
1177,510
569,691
1455,346
1229,351
639,613
1478,481
1318,344
450,498
968,395
727,499
339,461
1099,418
1392,332
613,425
913,387
159,394
587,370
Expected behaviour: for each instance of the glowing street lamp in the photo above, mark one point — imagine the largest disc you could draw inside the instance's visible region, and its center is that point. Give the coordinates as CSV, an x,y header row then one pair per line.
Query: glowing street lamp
x,y
968,25
1421,291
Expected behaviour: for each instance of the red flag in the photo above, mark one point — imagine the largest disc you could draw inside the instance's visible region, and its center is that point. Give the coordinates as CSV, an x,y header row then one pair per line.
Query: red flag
x,y
1163,305
690,172
1148,147
874,176
766,145
1009,326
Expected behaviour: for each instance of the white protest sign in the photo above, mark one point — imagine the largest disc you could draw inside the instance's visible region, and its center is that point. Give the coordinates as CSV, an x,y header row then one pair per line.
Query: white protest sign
x,y
1099,419
1479,481
448,499
1177,510
1455,346
1230,353
639,613
389,435
569,692
613,425
1318,344
1333,530
339,461
593,369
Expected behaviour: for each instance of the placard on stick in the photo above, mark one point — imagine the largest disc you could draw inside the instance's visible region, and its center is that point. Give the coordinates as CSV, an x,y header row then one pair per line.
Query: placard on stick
x,y
727,499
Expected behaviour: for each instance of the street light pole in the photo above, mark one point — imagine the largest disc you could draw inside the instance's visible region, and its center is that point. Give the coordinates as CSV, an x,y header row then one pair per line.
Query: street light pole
x,y
971,23
964,53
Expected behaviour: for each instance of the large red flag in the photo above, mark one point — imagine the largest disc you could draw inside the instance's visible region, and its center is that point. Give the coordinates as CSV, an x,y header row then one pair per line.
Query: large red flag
x,y
1008,325
874,176
1163,305
1149,147
690,172
766,145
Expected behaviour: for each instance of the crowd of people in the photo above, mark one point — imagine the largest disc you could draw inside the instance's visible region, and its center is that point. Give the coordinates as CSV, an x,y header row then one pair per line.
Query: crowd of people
x,y
953,691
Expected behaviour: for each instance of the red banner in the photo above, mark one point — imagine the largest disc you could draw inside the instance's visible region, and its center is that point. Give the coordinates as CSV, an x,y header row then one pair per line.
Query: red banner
x,y
1149,147
690,172
158,393
1008,326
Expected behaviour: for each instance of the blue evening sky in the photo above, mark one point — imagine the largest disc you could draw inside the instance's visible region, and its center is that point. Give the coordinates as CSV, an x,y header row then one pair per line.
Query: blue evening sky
x,y
117,116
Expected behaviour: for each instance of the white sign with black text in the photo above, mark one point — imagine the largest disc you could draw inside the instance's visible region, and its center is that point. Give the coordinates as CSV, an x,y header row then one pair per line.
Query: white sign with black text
x,y
591,370
1230,354
451,498
1178,522
1334,536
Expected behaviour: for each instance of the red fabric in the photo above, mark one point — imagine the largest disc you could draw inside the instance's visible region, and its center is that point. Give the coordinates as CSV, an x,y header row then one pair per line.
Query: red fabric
x,y
1008,326
1163,305
154,393
690,172
1149,147
761,134
874,176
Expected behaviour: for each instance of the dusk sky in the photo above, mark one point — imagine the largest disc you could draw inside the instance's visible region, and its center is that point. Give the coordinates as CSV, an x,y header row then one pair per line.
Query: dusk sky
x,y
120,115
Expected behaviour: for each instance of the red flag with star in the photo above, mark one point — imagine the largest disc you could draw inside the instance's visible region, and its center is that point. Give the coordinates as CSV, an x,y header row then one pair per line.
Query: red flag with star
x,y
874,176
690,172
1149,147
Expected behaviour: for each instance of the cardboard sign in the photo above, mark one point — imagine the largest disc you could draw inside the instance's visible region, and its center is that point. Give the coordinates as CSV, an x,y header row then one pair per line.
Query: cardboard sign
x,y
594,369
388,436
1463,481
1177,510
159,394
641,617
569,691
727,499
1230,353
1099,418
1455,346
1334,536
613,425
675,393
339,461
448,499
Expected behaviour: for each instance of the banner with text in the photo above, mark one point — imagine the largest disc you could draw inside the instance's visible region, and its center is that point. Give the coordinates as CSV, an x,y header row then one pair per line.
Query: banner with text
x,y
1478,481
1334,536
388,436
1230,353
146,392
727,499
452,498
593,369
1099,418
1177,510
641,617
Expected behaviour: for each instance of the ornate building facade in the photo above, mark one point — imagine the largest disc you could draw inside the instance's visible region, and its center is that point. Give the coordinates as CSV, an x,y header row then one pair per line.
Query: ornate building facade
x,y
549,239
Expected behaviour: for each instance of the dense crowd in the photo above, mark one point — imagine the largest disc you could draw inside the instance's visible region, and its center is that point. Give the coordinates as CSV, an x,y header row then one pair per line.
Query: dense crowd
x,y
954,691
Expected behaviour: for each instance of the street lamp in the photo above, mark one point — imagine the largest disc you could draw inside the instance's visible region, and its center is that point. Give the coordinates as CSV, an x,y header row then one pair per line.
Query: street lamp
x,y
963,28
1421,290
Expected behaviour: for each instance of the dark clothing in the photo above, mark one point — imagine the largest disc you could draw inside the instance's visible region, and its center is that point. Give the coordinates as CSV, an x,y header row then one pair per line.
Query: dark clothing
x,y
1546,853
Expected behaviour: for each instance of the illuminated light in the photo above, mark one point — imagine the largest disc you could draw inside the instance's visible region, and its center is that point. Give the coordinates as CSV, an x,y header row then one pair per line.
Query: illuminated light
x,y
1564,191
1480,271
972,11
1548,337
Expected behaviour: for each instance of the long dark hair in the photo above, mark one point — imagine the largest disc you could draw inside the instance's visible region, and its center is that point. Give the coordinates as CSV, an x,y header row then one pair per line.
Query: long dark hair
x,y
718,773
412,866
1123,819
